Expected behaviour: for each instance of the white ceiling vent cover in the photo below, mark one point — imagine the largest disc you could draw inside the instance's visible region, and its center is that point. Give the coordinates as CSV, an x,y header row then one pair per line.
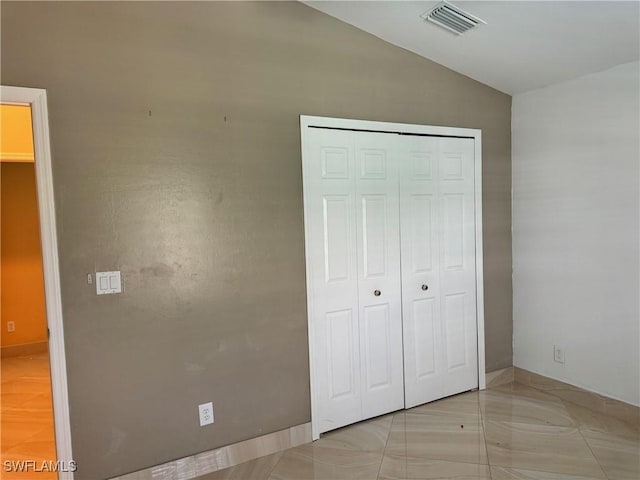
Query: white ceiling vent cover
x,y
452,18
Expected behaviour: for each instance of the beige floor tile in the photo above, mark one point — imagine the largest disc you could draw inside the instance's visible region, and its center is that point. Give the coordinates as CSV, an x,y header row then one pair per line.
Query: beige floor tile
x,y
405,468
524,391
504,473
462,404
588,419
523,405
593,401
367,436
618,455
499,377
258,469
451,437
308,462
530,446
624,411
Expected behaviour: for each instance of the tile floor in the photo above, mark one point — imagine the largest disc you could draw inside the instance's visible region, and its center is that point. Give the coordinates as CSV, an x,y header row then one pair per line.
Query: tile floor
x,y
26,415
508,432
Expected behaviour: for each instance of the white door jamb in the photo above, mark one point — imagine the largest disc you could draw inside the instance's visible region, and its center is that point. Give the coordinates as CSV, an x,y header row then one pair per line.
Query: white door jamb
x,y
37,99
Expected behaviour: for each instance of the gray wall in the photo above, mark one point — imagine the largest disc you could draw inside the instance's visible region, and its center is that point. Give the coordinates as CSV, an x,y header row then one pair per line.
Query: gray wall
x,y
177,160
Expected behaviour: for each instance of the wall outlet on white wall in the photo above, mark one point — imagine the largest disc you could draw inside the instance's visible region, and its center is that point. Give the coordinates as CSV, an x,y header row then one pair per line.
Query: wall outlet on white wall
x,y
11,326
558,354
206,413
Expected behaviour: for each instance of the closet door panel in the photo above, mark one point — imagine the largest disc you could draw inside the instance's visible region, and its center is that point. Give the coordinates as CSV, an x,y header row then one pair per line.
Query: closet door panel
x,y
330,206
379,273
375,237
425,333
420,237
376,325
457,263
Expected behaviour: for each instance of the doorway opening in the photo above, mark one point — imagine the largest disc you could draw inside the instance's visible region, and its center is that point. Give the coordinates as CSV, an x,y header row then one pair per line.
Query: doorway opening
x,y
34,413
26,409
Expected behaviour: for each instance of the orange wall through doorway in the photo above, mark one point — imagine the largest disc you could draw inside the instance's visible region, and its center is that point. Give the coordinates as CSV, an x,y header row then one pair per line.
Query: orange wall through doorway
x,y
21,282
16,133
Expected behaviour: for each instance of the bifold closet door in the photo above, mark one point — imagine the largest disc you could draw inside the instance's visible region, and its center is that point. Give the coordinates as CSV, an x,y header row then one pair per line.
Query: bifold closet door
x,y
353,254
437,214
379,280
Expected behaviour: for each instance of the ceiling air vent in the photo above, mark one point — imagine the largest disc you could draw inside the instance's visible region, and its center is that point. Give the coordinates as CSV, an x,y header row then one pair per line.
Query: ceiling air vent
x,y
452,18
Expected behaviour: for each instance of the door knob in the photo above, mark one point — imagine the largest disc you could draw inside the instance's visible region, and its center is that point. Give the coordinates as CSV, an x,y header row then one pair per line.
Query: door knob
x,y
425,287
377,293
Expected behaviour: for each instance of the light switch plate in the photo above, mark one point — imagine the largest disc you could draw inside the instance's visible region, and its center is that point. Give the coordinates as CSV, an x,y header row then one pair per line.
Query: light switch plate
x,y
108,282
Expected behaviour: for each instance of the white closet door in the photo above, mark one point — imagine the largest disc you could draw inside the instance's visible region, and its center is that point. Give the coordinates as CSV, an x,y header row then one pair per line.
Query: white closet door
x,y
458,264
351,203
423,361
379,284
330,204
438,267
390,239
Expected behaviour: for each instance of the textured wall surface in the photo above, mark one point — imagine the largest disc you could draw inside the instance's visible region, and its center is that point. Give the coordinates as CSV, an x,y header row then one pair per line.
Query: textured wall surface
x,y
176,151
576,202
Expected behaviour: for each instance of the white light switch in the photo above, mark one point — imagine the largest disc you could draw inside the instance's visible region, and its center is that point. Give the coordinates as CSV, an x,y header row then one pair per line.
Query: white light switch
x,y
108,282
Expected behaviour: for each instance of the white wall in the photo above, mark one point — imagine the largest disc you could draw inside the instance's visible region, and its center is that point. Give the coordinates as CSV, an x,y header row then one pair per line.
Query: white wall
x,y
576,157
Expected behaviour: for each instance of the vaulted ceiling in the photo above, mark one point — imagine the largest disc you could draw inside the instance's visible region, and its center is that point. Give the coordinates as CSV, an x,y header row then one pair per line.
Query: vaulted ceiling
x,y
524,45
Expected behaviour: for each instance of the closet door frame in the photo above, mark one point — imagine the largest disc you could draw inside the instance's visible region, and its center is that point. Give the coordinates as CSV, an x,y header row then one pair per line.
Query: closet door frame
x,y
307,124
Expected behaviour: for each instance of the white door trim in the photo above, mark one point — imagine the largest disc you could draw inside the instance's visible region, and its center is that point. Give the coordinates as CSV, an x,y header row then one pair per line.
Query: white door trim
x,y
307,121
37,99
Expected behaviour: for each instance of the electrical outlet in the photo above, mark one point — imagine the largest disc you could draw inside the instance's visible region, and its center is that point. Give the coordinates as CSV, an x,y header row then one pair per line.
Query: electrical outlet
x,y
11,326
558,354
206,414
